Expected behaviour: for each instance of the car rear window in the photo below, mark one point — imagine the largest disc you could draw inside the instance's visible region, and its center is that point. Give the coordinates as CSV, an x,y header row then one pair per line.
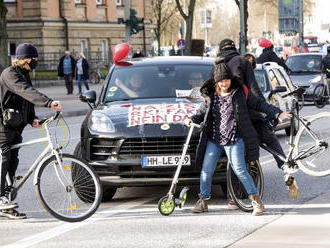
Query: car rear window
x,y
155,81
306,63
261,80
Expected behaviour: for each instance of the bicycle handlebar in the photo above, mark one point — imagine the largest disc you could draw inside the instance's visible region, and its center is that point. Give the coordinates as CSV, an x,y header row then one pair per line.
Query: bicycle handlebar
x,y
299,92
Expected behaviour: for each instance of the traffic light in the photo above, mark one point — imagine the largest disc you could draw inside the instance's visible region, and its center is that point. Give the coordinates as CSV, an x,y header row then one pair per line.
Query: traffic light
x,y
135,21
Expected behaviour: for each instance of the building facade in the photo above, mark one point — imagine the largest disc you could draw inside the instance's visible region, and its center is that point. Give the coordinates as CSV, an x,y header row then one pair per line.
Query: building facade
x,y
88,26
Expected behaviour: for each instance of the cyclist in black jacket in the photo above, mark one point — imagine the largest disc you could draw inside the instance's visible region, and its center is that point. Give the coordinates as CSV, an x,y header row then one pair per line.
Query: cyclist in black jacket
x,y
17,93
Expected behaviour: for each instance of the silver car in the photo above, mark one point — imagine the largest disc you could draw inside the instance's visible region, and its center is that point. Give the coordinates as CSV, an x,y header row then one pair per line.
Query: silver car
x,y
306,71
270,75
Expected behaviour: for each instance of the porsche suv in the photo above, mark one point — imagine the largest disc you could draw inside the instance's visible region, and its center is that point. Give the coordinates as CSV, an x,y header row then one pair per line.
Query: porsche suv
x,y
134,133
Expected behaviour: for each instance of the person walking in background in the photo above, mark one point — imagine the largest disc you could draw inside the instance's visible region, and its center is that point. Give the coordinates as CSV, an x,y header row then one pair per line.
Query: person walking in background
x,y
268,54
66,69
82,72
138,54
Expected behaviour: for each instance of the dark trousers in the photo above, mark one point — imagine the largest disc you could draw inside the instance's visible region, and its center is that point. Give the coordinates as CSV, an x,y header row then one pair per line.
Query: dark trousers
x,y
268,137
68,83
8,137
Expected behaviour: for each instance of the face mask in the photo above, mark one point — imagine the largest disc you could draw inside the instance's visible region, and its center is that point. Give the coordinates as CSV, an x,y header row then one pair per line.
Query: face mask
x,y
33,64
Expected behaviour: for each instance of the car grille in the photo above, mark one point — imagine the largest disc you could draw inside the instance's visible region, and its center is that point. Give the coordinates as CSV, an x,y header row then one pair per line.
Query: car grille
x,y
101,149
158,145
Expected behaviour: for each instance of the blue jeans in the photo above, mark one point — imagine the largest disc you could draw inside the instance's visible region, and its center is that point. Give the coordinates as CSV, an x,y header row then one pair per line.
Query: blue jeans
x,y
79,83
235,155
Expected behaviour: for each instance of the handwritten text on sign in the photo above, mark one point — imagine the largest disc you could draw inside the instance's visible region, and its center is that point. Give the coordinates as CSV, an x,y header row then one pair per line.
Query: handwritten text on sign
x,y
160,113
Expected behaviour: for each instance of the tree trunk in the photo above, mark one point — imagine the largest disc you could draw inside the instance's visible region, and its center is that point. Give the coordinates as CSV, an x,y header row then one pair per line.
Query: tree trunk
x,y
188,38
189,24
3,37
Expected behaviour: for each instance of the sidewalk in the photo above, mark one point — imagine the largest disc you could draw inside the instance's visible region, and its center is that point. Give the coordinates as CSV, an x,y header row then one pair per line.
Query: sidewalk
x,y
306,226
71,105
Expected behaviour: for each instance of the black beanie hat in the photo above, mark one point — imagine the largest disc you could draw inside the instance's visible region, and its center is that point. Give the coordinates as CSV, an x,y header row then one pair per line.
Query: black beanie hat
x,y
226,44
221,71
26,50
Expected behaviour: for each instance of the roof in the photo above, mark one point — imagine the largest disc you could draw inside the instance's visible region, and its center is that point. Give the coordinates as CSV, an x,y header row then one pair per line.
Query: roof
x,y
171,60
305,54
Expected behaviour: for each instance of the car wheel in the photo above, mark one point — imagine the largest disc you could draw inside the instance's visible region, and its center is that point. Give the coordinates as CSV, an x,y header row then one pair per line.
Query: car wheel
x,y
108,193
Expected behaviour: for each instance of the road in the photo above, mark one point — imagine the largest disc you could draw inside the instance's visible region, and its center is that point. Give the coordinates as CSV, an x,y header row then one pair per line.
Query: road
x,y
132,218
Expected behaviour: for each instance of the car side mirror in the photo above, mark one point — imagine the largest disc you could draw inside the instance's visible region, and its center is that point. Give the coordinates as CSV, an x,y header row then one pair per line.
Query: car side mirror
x,y
89,97
279,89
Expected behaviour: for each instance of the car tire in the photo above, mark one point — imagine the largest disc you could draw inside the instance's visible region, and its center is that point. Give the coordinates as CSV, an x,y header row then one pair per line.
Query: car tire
x,y
108,193
224,189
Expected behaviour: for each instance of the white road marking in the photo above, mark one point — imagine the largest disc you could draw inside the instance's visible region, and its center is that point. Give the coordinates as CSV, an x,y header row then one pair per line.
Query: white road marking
x,y
56,231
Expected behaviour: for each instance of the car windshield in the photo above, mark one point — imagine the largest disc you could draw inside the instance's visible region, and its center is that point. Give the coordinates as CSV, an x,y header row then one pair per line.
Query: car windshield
x,y
305,63
261,80
156,81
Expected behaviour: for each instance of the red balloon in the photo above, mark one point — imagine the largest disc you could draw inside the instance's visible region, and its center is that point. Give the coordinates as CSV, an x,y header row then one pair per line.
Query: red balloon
x,y
120,51
263,42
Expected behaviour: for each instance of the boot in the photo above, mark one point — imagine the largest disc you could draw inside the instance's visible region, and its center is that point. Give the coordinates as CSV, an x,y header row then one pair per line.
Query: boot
x,y
201,205
258,206
292,186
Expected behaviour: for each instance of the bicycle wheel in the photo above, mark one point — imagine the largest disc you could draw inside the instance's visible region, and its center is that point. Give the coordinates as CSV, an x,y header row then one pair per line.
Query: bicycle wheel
x,y
69,190
319,99
236,188
94,77
312,146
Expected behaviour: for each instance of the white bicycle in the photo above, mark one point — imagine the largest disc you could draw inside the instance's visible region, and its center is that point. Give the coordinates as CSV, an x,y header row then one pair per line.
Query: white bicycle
x,y
66,186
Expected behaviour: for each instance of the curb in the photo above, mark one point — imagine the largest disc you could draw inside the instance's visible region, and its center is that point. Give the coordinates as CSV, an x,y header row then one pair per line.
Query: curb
x,y
69,113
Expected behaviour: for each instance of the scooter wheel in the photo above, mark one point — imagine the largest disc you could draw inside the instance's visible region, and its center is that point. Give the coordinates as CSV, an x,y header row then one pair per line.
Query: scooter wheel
x,y
166,206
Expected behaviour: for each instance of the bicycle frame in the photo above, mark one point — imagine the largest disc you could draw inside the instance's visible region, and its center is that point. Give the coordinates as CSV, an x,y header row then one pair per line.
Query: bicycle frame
x,y
50,149
291,144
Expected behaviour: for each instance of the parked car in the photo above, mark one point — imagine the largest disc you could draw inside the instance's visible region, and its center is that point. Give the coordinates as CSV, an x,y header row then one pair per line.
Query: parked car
x,y
135,138
306,71
270,75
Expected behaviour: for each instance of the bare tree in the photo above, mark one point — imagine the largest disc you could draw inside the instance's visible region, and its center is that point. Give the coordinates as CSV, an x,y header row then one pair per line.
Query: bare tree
x,y
188,18
163,10
246,14
3,37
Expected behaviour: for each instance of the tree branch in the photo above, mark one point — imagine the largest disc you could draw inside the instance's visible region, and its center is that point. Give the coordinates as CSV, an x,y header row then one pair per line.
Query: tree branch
x,y
181,10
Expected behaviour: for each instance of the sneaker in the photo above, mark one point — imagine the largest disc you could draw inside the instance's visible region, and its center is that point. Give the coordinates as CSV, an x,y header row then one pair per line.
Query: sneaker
x,y
292,186
201,205
12,214
232,205
6,204
258,206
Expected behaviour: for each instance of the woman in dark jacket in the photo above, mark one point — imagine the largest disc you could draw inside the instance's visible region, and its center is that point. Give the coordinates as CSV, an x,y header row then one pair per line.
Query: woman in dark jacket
x,y
17,93
82,72
228,129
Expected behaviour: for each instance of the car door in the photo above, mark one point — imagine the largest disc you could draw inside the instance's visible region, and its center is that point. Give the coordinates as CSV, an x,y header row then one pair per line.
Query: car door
x,y
276,79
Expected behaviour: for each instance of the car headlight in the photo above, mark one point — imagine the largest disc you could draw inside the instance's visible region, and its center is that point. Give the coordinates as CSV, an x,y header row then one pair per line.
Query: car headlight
x,y
316,79
100,123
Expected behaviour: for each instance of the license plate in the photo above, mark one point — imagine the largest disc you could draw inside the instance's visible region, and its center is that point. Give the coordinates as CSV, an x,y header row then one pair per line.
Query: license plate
x,y
159,161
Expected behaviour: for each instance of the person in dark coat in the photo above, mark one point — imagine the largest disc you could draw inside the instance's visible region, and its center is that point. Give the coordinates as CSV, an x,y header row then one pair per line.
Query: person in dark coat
x,y
268,55
82,72
326,63
66,68
138,54
242,69
17,93
228,129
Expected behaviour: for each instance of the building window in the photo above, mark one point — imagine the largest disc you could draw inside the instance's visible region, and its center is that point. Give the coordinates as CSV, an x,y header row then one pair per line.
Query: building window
x,y
83,48
119,2
99,2
9,1
104,45
78,1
